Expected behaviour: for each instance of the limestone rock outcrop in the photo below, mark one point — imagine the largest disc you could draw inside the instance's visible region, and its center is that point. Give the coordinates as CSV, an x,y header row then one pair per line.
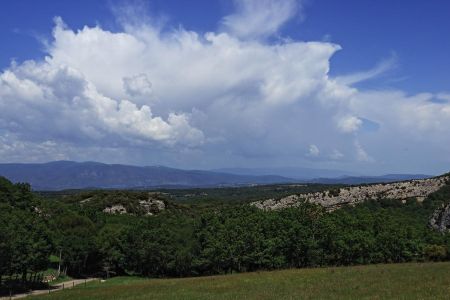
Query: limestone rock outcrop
x,y
152,206
336,198
440,220
115,209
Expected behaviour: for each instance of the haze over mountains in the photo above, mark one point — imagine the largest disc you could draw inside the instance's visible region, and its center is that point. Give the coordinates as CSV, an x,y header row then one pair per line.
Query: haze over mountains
x,y
290,172
60,175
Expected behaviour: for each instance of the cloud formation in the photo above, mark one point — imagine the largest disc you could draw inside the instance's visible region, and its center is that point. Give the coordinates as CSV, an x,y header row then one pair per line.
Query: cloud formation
x,y
57,101
259,18
349,124
382,67
313,151
150,95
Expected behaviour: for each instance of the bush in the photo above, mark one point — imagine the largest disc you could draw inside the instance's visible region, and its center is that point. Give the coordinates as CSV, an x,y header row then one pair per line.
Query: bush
x,y
435,252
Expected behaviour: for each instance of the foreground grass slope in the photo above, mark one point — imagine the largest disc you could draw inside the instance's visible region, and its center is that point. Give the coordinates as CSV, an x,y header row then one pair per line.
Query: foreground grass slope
x,y
395,281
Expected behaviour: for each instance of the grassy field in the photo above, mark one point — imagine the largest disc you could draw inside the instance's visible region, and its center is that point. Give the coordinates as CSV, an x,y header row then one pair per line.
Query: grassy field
x,y
396,281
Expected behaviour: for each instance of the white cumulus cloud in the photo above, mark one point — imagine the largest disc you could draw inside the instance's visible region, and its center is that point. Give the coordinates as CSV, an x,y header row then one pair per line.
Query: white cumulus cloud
x,y
55,101
185,98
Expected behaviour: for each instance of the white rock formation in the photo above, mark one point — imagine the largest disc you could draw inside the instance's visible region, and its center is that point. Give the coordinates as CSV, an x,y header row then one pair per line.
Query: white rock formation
x,y
336,198
115,209
152,206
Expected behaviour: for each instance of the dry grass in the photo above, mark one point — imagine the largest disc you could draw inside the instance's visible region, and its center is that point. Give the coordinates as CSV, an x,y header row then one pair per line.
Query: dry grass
x,y
396,281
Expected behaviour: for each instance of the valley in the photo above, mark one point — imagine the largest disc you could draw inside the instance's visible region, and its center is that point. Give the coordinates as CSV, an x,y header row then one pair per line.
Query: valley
x,y
171,233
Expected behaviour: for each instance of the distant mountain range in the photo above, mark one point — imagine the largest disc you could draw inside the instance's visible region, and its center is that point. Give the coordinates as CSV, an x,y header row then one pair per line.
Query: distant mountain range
x,y
62,175
354,180
290,172
324,176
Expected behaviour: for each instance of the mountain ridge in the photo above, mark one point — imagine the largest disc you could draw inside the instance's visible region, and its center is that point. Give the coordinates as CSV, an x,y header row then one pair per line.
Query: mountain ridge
x,y
61,175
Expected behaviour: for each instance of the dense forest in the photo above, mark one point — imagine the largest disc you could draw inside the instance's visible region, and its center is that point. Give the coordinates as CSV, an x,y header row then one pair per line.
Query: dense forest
x,y
191,240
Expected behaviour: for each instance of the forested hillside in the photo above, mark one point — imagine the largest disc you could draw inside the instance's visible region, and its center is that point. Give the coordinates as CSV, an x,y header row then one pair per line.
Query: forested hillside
x,y
197,239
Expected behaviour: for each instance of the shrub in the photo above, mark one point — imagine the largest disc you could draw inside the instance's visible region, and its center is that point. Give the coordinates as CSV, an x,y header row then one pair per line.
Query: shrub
x,y
435,252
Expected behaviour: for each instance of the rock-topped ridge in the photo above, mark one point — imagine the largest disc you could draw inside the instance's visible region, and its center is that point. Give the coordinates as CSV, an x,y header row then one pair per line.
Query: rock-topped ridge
x,y
335,198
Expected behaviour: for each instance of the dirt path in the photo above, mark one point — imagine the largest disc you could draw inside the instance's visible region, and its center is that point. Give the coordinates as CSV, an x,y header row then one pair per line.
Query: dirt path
x,y
54,288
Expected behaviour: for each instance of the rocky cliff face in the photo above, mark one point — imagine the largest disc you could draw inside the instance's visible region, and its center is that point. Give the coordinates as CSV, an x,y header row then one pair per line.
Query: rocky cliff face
x,y
336,198
440,220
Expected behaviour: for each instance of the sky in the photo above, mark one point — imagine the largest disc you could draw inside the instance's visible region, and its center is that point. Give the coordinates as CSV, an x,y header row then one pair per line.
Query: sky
x,y
357,85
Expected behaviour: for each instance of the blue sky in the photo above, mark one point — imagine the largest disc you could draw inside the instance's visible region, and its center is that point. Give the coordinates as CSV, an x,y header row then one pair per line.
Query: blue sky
x,y
349,61
415,32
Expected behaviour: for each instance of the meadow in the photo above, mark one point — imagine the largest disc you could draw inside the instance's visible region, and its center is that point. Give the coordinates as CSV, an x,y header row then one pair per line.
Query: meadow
x,y
387,281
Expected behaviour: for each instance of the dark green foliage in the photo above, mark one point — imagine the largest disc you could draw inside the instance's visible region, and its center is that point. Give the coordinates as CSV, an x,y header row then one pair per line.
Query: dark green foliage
x,y
202,239
111,245
437,199
435,252
76,239
25,242
334,192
